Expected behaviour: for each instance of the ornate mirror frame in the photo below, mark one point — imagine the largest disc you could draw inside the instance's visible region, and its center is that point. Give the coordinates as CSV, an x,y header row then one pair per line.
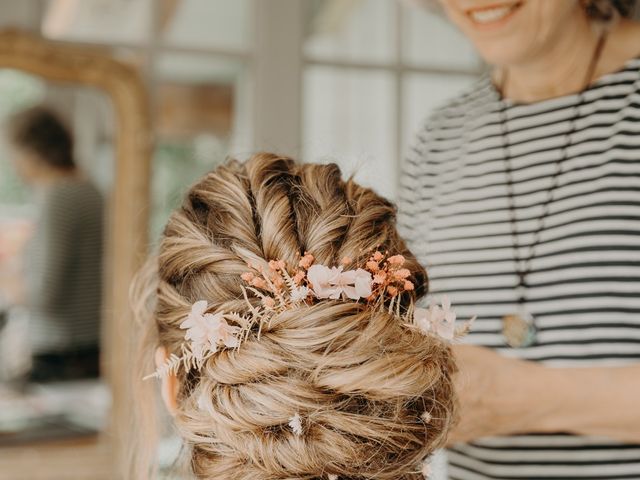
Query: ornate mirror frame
x,y
129,200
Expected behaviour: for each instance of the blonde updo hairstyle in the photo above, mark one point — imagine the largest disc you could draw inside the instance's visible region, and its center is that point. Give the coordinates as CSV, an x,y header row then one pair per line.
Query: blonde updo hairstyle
x,y
358,378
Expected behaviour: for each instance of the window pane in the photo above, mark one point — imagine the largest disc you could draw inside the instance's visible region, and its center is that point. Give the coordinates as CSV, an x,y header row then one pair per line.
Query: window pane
x,y
103,21
196,107
422,93
348,30
18,90
207,23
349,118
430,40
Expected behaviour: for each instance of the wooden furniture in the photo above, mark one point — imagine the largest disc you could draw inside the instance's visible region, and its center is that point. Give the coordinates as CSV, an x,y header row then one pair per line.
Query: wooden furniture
x,y
126,242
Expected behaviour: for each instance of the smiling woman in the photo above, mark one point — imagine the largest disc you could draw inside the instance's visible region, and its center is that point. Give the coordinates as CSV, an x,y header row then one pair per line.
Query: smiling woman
x,y
522,197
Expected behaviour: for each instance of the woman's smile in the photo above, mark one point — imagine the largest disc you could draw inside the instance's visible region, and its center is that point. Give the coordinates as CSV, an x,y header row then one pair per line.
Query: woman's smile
x,y
492,16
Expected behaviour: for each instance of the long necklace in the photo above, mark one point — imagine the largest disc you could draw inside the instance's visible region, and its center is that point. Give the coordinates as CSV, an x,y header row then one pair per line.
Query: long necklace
x,y
519,328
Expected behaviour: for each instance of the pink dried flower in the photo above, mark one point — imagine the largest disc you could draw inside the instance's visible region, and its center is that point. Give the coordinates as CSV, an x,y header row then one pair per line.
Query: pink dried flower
x,y
380,277
393,291
396,260
247,277
408,286
276,265
278,281
259,283
299,277
306,261
377,256
402,274
268,302
372,266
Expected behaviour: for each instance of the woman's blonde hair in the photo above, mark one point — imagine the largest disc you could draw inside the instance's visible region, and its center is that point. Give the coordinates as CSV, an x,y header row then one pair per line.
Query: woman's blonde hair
x,y
358,378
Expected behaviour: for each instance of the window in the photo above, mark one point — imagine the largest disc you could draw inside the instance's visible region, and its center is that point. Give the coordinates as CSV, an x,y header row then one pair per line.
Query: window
x,y
195,55
373,71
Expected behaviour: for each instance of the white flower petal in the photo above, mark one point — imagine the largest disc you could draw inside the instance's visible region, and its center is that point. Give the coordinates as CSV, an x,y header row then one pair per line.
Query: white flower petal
x,y
295,423
363,283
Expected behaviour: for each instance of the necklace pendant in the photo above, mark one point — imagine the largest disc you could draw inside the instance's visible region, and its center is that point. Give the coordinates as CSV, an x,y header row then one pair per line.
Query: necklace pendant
x,y
519,329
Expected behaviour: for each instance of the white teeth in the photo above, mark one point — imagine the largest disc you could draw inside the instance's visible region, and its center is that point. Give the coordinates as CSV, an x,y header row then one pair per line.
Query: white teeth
x,y
491,14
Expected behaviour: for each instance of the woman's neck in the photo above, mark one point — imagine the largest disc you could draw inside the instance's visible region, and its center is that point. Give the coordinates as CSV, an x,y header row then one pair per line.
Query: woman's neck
x,y
558,69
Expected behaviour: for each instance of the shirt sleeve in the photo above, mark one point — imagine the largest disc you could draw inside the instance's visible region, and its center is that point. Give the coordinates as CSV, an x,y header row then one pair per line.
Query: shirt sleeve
x,y
417,182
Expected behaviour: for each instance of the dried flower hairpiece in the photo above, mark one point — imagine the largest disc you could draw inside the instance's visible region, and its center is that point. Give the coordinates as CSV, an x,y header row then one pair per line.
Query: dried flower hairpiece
x,y
295,423
274,289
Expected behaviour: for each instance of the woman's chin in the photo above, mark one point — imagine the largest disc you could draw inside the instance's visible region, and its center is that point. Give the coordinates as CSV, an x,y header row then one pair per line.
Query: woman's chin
x,y
499,54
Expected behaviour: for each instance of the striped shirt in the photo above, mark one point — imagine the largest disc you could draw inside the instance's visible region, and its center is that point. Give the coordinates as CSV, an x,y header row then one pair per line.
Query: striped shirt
x,y
584,285
64,268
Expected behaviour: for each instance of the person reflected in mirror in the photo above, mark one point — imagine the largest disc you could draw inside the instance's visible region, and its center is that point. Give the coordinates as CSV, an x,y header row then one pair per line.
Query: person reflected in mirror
x,y
62,284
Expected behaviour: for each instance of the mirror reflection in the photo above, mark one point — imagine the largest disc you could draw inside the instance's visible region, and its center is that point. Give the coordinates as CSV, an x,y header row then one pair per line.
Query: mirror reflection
x,y
55,172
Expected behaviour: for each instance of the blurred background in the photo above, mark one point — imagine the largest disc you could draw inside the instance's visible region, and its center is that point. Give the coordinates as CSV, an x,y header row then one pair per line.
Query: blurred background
x,y
345,81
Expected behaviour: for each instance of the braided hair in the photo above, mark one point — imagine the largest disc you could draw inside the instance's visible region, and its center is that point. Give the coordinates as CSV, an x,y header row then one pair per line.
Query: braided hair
x,y
360,381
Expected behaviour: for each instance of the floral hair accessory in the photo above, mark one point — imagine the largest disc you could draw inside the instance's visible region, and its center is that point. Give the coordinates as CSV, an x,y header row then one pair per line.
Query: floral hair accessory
x,y
295,423
333,283
272,288
440,320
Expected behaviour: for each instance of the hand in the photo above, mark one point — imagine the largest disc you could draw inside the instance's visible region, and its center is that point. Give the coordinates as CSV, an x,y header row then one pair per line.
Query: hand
x,y
497,395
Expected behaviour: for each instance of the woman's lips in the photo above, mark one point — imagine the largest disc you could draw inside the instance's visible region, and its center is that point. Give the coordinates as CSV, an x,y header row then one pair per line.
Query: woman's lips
x,y
492,15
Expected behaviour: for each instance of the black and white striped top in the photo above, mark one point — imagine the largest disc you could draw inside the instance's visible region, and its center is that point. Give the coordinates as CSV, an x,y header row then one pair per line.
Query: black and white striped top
x,y
585,280
64,268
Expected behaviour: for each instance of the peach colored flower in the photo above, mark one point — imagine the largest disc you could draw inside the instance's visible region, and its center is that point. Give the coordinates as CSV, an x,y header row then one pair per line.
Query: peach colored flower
x,y
408,286
276,265
396,260
268,302
306,261
377,256
299,277
247,276
380,277
278,281
393,291
259,283
402,273
372,266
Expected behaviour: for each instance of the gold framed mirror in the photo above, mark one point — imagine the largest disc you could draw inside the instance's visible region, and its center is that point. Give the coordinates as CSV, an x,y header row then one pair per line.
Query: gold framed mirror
x,y
126,227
